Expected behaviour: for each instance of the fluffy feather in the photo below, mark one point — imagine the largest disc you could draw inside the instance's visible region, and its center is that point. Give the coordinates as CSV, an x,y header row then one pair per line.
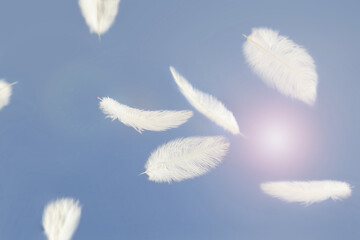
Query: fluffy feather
x,y
99,14
282,64
142,120
186,158
61,218
206,104
5,93
307,192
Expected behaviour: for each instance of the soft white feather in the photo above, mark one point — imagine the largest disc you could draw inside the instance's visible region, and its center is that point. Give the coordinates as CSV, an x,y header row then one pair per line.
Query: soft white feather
x,y
307,192
61,218
282,64
99,14
206,104
5,93
186,158
142,120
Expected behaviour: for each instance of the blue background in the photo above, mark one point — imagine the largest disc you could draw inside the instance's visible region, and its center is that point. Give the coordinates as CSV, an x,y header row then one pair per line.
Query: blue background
x,y
55,142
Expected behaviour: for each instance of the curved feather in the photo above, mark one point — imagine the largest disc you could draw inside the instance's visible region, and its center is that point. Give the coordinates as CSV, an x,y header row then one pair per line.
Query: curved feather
x,y
206,104
307,192
142,120
5,93
282,64
61,218
185,158
99,14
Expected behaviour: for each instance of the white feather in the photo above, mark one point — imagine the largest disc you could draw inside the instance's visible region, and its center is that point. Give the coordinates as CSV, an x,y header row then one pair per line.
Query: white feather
x,y
186,158
61,218
206,104
307,192
5,93
99,14
142,120
282,64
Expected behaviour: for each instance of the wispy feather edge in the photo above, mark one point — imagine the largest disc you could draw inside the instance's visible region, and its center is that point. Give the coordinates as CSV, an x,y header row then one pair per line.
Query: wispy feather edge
x,y
142,120
206,104
61,218
282,64
186,158
5,93
307,192
99,15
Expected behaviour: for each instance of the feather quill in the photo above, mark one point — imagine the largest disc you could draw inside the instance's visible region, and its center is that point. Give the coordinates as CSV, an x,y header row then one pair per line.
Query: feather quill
x,y
99,14
307,192
282,64
5,93
185,158
206,104
61,218
142,120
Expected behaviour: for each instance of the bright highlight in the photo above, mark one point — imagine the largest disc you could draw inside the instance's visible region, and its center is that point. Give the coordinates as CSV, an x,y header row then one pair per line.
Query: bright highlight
x,y
276,139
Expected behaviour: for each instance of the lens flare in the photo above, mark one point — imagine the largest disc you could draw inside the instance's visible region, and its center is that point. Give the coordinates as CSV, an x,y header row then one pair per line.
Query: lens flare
x,y
275,139
281,139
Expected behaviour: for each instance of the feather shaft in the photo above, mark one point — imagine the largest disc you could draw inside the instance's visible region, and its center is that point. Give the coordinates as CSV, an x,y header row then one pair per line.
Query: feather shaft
x,y
267,51
99,15
282,64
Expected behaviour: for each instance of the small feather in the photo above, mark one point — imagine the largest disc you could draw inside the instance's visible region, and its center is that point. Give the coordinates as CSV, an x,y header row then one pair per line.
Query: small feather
x,y
206,104
61,218
186,158
282,64
5,93
142,120
99,14
307,192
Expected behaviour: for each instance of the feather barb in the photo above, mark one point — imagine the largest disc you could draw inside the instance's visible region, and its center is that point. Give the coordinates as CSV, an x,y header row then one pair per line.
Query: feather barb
x,y
267,51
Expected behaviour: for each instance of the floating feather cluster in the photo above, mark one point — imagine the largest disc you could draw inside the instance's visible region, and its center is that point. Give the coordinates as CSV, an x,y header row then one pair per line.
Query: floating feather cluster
x,y
307,192
61,218
142,120
5,93
182,158
99,14
282,64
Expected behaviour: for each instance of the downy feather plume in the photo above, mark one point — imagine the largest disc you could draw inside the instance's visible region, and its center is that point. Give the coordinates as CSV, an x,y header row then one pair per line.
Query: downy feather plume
x,y
185,158
5,93
99,14
142,120
206,104
307,192
282,64
61,218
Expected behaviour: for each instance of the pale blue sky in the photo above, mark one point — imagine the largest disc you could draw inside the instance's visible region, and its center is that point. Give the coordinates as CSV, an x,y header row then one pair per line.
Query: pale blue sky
x,y
55,142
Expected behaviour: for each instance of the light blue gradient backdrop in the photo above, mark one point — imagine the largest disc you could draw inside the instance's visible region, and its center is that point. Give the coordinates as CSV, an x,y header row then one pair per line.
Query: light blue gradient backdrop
x,y
55,142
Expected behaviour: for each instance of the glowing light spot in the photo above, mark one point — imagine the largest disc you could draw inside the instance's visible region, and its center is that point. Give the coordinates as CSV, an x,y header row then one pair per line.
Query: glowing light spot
x,y
276,139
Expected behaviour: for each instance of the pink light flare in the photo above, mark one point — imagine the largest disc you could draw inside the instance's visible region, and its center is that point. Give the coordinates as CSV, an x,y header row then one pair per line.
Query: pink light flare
x,y
281,138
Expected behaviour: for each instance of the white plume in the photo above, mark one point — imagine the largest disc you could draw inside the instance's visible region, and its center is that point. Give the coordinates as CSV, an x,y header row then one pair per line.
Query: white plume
x,y
99,14
282,64
61,218
307,192
5,93
206,104
185,158
142,120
